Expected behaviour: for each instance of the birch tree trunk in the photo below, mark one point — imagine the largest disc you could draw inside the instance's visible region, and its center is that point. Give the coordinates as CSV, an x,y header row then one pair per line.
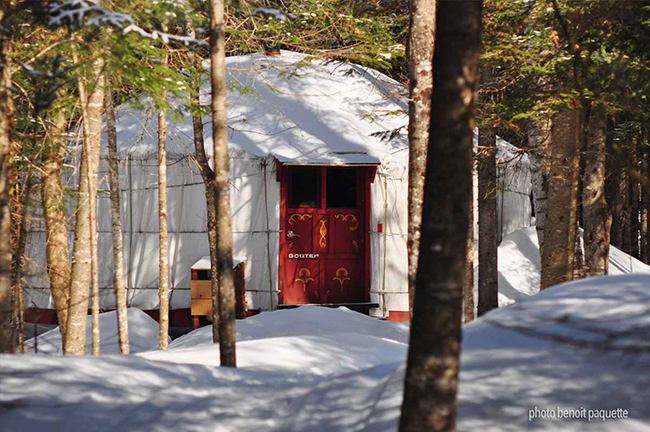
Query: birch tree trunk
x,y
538,142
83,266
56,224
597,217
559,237
207,174
163,248
225,275
116,224
420,54
488,229
6,310
431,380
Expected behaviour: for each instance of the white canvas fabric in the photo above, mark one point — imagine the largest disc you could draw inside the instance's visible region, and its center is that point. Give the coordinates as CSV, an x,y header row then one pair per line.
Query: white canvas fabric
x,y
287,109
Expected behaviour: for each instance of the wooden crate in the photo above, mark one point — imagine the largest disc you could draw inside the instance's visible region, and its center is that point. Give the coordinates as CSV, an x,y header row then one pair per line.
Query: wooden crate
x,y
201,291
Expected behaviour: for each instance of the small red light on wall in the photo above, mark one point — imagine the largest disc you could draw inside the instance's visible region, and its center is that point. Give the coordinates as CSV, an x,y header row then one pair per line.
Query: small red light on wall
x,y
380,227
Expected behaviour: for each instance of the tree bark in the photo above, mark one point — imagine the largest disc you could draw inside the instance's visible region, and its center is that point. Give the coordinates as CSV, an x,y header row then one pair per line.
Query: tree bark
x,y
420,54
116,224
431,381
207,174
56,224
225,275
83,266
6,310
559,237
635,198
538,142
645,207
597,217
488,228
21,215
468,283
163,236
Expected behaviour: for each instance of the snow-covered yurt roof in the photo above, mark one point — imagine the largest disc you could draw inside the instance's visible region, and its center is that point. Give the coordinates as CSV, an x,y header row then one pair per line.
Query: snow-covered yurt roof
x,y
296,108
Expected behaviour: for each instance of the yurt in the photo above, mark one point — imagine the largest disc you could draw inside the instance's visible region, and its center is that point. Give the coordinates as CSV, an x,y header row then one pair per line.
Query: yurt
x,y
319,166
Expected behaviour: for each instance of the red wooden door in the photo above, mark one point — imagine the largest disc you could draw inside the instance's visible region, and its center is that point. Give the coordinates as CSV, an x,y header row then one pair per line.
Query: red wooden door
x,y
324,235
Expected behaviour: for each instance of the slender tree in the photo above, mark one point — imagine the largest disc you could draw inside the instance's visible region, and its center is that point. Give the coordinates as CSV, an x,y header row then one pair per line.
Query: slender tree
x,y
56,224
539,135
225,272
597,217
420,53
207,174
84,242
21,215
468,283
116,224
163,246
432,369
488,233
6,309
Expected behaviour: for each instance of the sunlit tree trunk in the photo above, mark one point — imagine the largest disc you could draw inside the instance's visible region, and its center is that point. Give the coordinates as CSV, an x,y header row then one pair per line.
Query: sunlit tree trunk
x,y
56,225
468,283
163,247
207,174
21,215
83,267
597,217
225,272
116,224
559,235
6,310
431,380
420,53
488,232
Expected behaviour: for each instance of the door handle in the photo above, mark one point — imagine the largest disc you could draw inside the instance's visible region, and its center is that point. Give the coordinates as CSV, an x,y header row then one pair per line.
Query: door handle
x,y
290,234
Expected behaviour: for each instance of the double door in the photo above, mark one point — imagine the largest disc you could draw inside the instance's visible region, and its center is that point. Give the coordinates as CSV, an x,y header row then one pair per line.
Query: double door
x,y
324,235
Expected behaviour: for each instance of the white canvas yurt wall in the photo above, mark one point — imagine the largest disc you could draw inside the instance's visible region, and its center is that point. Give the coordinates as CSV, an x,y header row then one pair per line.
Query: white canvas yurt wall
x,y
289,109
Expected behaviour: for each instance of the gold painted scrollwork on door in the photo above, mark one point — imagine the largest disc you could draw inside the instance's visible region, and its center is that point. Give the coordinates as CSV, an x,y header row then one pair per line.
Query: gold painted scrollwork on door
x,y
304,277
323,233
341,275
299,216
354,223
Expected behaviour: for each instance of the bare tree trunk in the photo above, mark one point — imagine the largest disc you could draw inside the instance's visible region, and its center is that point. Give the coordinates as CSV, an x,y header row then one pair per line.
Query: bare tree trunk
x,y
538,141
635,189
207,174
420,53
18,258
468,283
431,381
86,227
597,217
163,255
645,206
225,273
6,310
488,229
56,225
116,224
559,237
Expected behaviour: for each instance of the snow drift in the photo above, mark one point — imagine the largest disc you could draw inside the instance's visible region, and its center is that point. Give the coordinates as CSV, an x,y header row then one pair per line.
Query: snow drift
x,y
579,345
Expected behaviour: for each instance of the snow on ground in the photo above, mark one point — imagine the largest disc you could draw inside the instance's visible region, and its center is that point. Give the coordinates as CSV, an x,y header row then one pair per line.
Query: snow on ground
x,y
520,265
585,344
143,335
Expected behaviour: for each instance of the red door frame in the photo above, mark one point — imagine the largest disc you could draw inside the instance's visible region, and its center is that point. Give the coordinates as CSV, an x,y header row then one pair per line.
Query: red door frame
x,y
367,175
